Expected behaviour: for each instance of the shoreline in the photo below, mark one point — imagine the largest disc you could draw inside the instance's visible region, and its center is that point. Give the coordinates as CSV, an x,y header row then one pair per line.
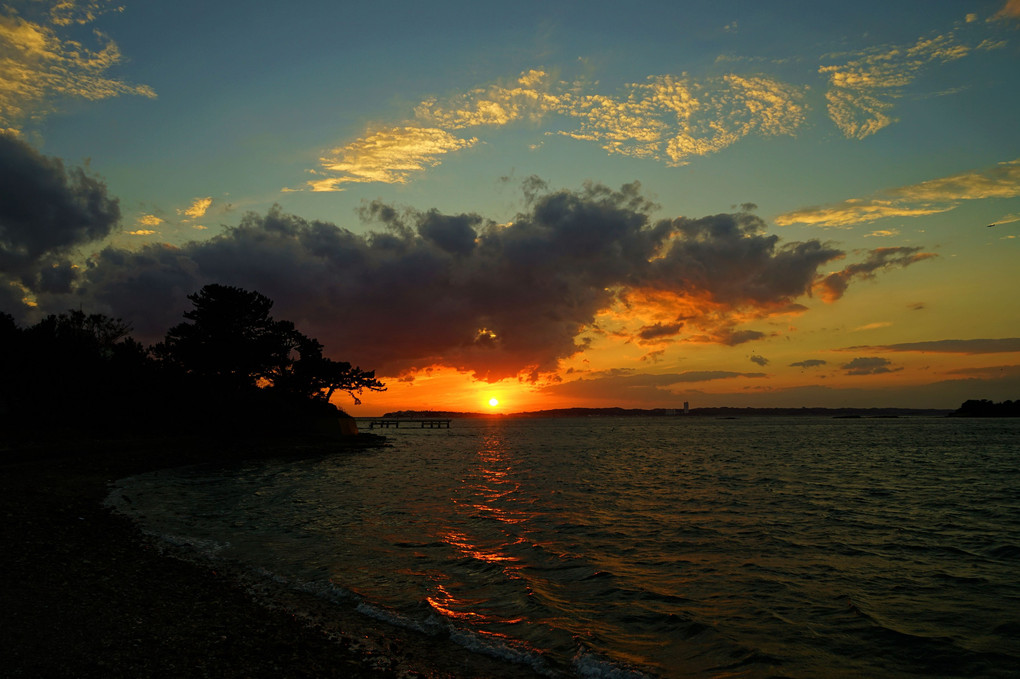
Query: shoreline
x,y
85,593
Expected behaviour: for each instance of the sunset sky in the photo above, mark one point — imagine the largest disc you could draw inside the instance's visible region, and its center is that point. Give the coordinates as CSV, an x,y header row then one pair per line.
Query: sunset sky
x,y
550,204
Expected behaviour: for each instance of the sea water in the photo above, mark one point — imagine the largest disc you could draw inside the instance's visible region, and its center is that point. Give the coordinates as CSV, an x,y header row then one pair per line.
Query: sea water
x,y
669,547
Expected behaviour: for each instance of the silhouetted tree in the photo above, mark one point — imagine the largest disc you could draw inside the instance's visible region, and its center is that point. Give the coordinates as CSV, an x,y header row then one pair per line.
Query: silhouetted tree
x,y
232,339
71,368
317,377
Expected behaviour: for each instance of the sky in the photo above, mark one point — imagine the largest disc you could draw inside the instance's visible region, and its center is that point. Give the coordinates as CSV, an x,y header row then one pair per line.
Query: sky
x,y
549,204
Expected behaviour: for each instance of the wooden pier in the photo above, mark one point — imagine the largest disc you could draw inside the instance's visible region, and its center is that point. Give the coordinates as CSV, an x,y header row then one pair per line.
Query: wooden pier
x,y
424,422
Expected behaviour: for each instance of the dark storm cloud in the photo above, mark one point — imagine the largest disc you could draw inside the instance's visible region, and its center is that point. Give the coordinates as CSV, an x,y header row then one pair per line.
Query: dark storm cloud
x,y
499,300
658,331
730,257
869,366
732,339
835,284
45,210
950,346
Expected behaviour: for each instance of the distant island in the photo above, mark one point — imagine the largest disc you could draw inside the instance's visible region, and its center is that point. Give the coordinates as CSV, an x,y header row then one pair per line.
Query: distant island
x,y
986,408
673,412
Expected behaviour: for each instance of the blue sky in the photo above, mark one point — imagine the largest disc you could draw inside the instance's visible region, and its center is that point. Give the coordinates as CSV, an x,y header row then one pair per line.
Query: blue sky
x,y
880,134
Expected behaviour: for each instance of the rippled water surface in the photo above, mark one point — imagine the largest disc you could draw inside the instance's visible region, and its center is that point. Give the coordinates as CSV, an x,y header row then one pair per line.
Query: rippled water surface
x,y
673,547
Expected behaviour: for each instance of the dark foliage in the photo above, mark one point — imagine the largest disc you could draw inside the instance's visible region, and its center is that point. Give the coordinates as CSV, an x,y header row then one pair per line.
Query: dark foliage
x,y
986,408
230,369
233,344
71,368
231,341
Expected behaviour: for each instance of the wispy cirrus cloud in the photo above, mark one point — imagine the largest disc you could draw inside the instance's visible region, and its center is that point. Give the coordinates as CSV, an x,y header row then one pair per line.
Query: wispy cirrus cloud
x,y
949,346
677,118
1011,10
387,155
856,211
929,197
625,387
67,12
532,95
999,181
666,118
863,86
39,66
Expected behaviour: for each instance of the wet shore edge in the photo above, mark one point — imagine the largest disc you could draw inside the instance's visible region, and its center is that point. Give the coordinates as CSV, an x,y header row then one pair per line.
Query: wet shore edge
x,y
86,594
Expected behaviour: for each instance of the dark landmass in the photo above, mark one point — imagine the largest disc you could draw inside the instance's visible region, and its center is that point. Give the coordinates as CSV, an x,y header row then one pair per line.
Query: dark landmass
x,y
985,408
694,412
85,594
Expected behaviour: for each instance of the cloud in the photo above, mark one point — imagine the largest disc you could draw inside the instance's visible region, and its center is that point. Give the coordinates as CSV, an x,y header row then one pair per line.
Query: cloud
x,y
666,118
988,372
740,337
533,95
670,118
46,210
498,300
915,200
39,67
150,220
1007,219
197,209
835,284
142,232
861,90
856,211
729,259
950,346
809,363
67,12
872,326
387,155
759,360
675,118
659,331
632,388
1011,10
869,366
999,181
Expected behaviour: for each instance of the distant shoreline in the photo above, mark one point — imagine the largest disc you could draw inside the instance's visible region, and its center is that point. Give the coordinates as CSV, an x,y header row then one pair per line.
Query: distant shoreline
x,y
677,413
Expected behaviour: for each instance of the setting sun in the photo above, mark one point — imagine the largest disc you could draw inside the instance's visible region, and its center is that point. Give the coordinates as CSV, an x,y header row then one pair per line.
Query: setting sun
x,y
493,402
